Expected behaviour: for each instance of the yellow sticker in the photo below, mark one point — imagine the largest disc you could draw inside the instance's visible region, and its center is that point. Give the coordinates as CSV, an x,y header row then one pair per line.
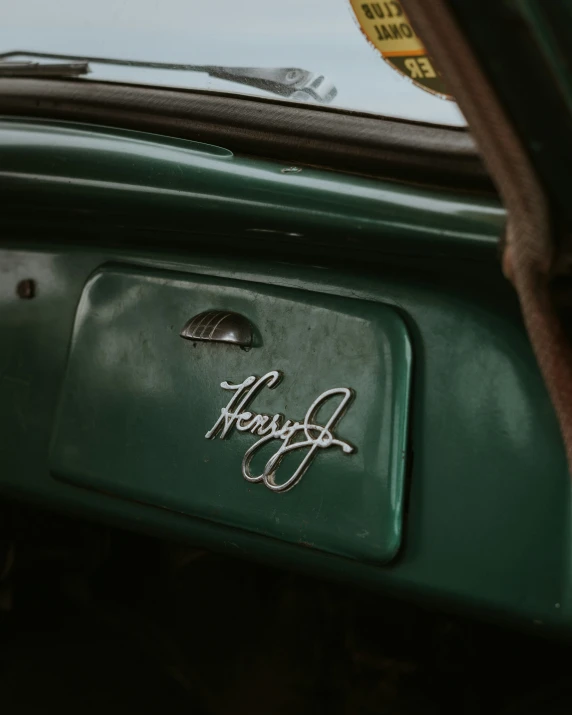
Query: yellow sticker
x,y
389,30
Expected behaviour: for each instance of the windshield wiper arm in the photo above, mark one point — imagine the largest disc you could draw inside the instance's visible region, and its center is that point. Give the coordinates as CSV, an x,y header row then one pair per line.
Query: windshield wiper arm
x,y
291,82
41,69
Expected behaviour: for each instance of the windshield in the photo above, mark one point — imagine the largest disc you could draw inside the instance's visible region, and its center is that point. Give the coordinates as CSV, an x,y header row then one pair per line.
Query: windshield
x,y
321,37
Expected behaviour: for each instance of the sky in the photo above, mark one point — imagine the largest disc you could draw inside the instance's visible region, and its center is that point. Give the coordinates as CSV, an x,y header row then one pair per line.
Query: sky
x,y
317,35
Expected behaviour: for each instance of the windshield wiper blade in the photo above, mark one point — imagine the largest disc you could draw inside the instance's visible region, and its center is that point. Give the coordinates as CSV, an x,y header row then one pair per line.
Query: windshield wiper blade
x,y
291,82
41,69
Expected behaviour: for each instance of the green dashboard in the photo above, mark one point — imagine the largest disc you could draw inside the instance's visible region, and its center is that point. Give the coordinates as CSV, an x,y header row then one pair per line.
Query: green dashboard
x,y
383,422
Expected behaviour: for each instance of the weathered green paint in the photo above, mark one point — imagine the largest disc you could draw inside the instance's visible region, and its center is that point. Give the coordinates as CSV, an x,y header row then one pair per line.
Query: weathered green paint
x,y
487,525
138,400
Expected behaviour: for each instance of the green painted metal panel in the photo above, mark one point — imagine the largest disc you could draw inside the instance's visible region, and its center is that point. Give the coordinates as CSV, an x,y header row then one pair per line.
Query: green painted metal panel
x,y
487,525
173,193
138,401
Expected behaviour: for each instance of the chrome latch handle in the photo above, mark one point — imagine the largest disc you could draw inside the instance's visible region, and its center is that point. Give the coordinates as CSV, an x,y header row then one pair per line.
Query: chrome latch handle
x,y
219,326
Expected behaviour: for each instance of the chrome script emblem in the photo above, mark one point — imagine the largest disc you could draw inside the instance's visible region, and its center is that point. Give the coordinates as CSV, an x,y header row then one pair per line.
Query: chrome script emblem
x,y
305,435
